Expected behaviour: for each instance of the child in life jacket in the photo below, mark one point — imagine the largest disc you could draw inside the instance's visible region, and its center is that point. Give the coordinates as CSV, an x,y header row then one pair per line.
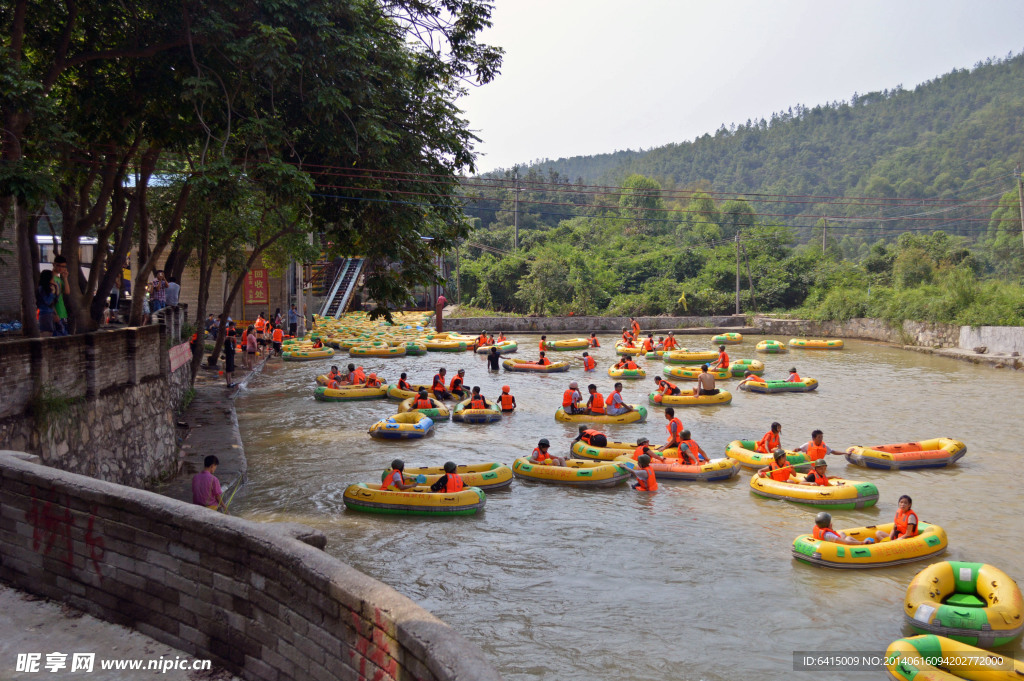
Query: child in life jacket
x,y
449,483
644,474
905,524
823,531
506,400
540,455
594,438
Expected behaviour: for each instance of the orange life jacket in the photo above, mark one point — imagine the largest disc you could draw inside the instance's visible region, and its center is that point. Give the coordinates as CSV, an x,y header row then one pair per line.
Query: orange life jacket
x,y
753,378
694,450
278,335
648,345
902,524
769,443
333,384
665,388
596,403
482,341
589,364
404,384
723,360
422,403
389,479
568,397
373,383
507,402
636,328
478,402
629,342
358,376
333,377
455,385
678,431
795,378
818,478
638,451
542,348
779,473
588,435
259,324
650,484
438,386
501,338
593,342
630,365
453,483
539,455
543,361
823,532
490,340
614,398
670,343
318,344
815,452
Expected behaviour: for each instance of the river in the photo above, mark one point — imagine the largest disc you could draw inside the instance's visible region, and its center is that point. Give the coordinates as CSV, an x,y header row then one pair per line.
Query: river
x,y
693,582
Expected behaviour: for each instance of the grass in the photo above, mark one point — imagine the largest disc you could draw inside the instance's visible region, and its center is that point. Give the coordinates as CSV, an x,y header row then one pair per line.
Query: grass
x,y
466,311
49,404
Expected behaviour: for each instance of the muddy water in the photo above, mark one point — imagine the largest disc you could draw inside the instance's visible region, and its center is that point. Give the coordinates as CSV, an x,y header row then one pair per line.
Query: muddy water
x,y
693,582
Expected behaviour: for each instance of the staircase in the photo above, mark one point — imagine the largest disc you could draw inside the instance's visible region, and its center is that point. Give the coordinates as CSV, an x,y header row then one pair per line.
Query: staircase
x,y
340,292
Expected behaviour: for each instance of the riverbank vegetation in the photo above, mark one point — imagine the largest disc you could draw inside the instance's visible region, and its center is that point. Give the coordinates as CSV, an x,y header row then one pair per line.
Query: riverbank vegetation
x,y
901,205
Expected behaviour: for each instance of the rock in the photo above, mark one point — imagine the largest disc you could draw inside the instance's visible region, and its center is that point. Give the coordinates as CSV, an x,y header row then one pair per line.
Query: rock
x,y
981,349
1014,354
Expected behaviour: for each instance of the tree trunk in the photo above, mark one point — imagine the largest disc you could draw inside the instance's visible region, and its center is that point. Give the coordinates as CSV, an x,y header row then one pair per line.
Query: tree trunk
x,y
27,267
205,272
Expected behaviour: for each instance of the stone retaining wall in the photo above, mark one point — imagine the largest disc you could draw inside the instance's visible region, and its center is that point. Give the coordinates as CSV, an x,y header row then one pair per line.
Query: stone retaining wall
x,y
909,333
101,404
998,339
473,325
247,595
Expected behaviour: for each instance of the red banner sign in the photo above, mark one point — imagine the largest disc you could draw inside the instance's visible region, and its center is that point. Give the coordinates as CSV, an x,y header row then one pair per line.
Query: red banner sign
x,y
257,287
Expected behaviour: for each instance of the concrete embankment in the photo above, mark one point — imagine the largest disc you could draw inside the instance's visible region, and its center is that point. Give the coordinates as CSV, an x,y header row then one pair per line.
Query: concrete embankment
x,y
560,325
249,596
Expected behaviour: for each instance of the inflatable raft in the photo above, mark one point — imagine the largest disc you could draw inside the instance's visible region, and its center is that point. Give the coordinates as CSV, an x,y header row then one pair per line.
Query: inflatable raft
x,y
504,348
438,412
773,387
638,415
621,349
929,542
396,394
408,426
689,357
609,452
745,452
307,355
935,453
627,373
741,366
973,603
771,347
840,494
674,468
723,397
526,365
937,658
377,350
574,473
415,349
485,476
445,345
349,393
727,339
370,498
463,413
690,373
816,343
567,344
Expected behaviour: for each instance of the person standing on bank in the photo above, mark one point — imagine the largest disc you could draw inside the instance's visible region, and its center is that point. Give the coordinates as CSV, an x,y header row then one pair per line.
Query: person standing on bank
x,y
173,291
206,487
293,321
46,298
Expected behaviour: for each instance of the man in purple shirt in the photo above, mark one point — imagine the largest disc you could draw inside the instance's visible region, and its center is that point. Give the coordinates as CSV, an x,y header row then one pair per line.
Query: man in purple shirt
x,y
206,487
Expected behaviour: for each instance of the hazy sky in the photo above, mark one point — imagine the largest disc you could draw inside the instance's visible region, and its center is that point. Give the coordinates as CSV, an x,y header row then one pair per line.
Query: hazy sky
x,y
594,76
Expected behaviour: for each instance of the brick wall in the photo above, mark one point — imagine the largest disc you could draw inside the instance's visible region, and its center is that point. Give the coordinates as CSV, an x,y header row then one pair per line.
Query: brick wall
x,y
109,405
247,595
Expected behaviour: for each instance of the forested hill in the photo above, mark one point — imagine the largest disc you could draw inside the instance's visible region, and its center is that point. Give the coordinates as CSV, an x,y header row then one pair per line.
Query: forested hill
x,y
942,138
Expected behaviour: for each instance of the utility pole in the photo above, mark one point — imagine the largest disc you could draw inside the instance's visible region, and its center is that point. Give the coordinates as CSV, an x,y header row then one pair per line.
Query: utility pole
x,y
737,272
824,231
515,214
1020,199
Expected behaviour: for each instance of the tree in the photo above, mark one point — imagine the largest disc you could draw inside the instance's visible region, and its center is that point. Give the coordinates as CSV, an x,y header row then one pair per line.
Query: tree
x,y
640,203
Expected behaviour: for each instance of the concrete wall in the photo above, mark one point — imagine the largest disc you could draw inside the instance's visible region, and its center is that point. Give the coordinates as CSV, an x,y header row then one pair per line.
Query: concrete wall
x,y
247,595
909,333
473,325
100,404
998,339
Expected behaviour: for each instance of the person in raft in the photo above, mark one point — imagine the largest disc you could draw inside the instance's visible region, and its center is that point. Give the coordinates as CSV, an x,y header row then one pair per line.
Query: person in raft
x,y
643,446
905,524
614,405
206,487
794,377
648,344
644,474
422,400
506,400
595,403
449,483
458,385
356,376
589,436
335,375
816,448
500,338
540,455
437,385
666,388
572,400
543,360
592,342
723,359
477,400
750,377
823,531
670,342
771,440
588,362
394,479
818,475
778,469
674,428
403,382
706,382
690,452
